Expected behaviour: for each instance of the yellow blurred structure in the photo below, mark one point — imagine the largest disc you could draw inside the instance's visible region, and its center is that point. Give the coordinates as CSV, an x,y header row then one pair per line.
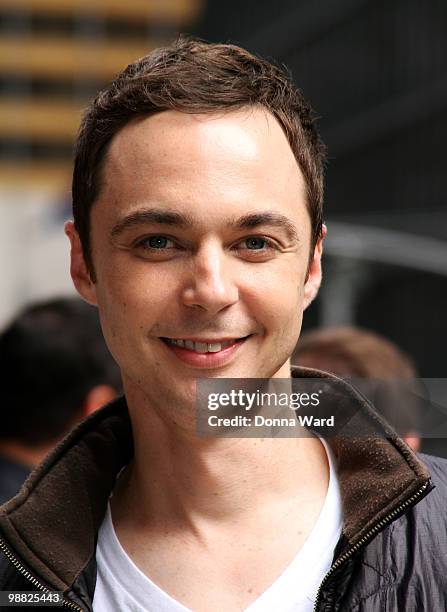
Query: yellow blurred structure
x,y
54,54
178,12
59,57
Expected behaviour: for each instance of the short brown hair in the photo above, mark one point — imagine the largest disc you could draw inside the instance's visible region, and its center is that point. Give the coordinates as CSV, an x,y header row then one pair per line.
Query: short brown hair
x,y
193,76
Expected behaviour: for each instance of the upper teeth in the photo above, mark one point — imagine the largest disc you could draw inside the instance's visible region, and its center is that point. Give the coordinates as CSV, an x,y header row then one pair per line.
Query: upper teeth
x,y
201,347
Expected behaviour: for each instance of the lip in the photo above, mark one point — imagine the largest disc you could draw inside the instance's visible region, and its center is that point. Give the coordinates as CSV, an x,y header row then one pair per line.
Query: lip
x,y
206,360
209,340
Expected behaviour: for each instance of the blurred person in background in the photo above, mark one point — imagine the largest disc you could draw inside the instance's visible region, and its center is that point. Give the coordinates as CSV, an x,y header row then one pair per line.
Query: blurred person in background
x,y
351,352
55,370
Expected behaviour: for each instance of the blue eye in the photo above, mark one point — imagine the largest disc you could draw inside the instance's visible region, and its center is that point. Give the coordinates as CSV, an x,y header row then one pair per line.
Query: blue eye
x,y
255,243
157,242
157,247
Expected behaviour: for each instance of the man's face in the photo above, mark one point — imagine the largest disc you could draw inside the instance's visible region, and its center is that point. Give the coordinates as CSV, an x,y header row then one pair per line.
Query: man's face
x,y
201,234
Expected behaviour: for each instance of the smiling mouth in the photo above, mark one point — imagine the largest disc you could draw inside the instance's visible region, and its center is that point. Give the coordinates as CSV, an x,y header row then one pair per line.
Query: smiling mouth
x,y
202,347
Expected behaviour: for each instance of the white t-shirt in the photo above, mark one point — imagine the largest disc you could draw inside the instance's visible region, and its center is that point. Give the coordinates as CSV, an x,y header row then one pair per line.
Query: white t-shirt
x,y
122,587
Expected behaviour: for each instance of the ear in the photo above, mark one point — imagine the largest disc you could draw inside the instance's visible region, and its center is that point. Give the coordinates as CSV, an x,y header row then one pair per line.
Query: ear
x,y
78,268
314,274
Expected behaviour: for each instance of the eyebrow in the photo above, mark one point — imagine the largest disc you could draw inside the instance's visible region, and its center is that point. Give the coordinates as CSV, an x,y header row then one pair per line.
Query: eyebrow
x,y
271,218
172,218
152,215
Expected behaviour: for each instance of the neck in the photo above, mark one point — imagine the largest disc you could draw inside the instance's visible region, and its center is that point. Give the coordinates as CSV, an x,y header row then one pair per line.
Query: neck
x,y
176,476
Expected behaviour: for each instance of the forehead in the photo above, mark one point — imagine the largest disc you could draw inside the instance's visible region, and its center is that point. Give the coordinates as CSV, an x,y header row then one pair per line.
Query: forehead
x,y
203,161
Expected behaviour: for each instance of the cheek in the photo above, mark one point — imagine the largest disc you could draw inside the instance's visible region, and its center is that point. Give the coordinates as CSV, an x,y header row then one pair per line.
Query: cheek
x,y
277,296
129,305
126,283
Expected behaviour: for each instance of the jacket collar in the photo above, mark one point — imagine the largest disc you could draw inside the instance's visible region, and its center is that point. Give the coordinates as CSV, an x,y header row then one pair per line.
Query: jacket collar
x,y
52,523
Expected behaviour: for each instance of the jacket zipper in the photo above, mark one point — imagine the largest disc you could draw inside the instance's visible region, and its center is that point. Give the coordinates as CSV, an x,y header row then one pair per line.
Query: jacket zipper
x,y
22,570
369,536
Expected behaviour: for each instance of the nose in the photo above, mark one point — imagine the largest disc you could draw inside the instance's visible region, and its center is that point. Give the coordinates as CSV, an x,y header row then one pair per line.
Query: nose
x,y
210,284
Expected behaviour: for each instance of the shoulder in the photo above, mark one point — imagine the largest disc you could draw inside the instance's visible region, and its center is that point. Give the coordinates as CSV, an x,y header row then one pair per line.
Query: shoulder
x,y
425,523
402,566
404,558
421,529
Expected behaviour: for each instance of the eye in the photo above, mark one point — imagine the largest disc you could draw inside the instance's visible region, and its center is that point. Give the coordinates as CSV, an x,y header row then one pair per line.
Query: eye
x,y
256,243
257,248
158,242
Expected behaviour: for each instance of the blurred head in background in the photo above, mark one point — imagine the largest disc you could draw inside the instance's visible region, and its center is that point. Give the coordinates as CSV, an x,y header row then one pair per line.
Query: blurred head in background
x,y
351,352
55,370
